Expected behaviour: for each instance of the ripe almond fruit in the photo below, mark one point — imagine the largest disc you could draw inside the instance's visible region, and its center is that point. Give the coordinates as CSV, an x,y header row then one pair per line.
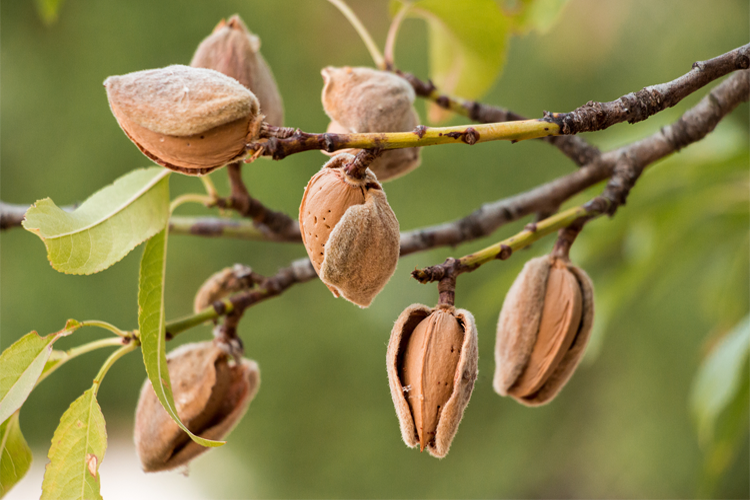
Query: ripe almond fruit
x,y
359,100
211,395
350,232
233,50
543,330
191,120
432,364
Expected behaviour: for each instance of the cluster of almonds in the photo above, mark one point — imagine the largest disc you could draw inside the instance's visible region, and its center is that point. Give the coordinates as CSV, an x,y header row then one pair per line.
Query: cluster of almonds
x,y
194,119
542,332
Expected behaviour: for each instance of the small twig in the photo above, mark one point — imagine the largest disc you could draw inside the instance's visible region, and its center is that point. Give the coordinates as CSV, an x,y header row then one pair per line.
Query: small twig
x,y
265,219
638,106
420,136
372,47
362,160
390,41
505,248
575,148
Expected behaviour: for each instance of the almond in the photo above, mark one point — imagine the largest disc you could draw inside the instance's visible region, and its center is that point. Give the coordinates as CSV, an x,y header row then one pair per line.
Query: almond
x,y
432,366
211,395
350,232
543,330
191,120
233,50
360,100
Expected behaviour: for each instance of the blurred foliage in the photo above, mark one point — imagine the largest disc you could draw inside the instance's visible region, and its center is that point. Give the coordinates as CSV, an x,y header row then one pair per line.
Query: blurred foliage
x,y
49,10
323,424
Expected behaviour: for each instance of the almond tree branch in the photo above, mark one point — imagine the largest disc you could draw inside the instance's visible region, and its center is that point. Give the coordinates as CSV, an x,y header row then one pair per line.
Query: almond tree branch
x,y
638,106
633,107
575,148
693,126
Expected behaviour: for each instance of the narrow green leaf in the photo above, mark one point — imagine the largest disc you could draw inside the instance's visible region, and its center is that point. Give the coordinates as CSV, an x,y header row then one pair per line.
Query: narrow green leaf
x,y
48,10
539,15
15,455
22,363
151,326
719,377
467,44
77,450
107,226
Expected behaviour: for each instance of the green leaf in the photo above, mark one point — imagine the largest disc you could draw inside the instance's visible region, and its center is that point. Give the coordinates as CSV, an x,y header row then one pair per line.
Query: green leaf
x,y
15,455
719,377
22,363
77,450
152,331
107,226
48,10
539,15
467,44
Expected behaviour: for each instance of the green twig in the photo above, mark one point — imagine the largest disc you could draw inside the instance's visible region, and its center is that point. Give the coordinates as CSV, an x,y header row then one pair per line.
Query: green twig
x,y
505,248
377,57
122,351
79,350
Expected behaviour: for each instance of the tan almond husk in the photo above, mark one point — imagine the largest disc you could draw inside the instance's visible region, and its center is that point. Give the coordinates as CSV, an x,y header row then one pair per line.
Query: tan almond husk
x,y
191,120
360,100
349,231
234,51
463,379
518,330
211,396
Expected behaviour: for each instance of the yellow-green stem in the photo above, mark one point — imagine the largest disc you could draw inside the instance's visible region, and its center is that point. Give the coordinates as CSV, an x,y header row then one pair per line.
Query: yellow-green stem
x,y
377,57
208,184
209,313
527,236
79,350
190,198
106,326
122,351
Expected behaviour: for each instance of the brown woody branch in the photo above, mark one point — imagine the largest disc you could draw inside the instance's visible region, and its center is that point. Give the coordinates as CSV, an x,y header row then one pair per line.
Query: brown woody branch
x,y
278,225
638,106
627,165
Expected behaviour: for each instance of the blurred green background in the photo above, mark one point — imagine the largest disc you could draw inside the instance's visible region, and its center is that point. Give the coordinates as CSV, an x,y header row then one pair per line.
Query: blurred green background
x,y
671,269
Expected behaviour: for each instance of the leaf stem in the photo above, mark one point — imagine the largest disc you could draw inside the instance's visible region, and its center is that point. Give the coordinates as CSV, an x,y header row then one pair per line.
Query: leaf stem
x,y
377,57
79,350
390,41
208,184
212,312
106,326
122,351
203,199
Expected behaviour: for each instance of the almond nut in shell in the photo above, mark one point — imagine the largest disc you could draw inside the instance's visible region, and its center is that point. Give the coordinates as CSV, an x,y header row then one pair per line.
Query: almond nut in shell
x,y
233,50
543,330
349,230
192,120
432,364
360,100
211,395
